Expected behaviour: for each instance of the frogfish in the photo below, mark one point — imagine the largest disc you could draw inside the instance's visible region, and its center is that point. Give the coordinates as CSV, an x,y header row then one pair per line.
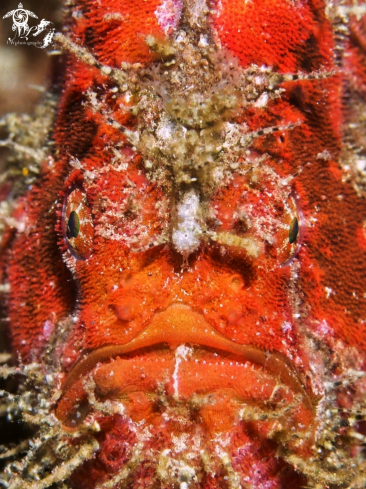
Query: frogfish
x,y
183,253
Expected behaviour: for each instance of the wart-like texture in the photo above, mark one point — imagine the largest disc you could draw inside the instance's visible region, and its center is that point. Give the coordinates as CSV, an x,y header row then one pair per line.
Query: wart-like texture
x,y
184,270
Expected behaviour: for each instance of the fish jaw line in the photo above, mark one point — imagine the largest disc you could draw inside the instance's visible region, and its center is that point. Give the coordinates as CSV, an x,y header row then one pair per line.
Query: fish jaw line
x,y
177,327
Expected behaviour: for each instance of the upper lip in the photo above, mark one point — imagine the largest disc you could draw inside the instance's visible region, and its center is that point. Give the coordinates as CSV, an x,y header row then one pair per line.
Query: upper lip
x,y
179,324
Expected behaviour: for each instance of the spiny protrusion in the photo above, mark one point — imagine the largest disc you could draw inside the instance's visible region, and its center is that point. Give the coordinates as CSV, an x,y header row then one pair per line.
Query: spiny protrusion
x,y
149,246
12,452
37,155
248,137
132,136
84,55
250,244
60,472
33,405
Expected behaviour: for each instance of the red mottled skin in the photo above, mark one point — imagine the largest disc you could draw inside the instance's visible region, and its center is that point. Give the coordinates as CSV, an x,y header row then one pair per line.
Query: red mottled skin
x,y
256,333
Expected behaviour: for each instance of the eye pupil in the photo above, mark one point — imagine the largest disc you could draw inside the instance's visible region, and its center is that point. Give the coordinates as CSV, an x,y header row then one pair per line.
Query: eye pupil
x,y
293,231
73,225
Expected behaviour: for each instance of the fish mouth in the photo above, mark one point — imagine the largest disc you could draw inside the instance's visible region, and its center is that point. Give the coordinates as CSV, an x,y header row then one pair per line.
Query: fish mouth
x,y
180,353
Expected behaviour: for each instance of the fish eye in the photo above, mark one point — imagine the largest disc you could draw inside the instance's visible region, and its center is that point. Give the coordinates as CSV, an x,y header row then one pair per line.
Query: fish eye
x,y
73,225
77,224
293,230
290,236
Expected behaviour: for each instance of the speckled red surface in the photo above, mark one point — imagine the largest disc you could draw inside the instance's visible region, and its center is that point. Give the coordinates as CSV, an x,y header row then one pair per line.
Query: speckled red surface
x,y
231,353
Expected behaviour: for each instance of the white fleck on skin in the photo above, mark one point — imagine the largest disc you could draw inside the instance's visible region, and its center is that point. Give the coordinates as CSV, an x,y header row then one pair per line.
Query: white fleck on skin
x,y
77,14
180,442
286,327
75,163
168,14
203,42
262,101
5,288
361,164
113,16
187,233
198,9
47,329
165,131
181,354
328,291
324,329
325,155
169,466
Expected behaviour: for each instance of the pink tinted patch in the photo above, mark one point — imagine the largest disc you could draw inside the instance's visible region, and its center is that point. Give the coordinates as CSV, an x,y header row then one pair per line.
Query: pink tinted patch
x,y
168,14
47,329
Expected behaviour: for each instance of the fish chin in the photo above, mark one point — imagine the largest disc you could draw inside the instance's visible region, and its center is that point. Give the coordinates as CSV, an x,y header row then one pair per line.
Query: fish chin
x,y
182,390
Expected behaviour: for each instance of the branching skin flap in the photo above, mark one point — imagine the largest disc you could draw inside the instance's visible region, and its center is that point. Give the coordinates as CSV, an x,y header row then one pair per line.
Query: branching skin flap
x,y
183,254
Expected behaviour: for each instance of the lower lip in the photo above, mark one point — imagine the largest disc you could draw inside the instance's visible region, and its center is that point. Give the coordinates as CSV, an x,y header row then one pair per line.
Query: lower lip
x,y
180,363
216,386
